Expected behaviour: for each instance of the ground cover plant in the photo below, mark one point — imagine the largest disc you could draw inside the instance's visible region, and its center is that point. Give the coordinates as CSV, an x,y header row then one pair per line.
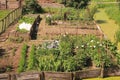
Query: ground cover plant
x,y
72,53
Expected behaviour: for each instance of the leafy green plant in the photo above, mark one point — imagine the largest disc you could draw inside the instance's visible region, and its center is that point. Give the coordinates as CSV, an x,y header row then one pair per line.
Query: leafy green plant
x,y
75,53
22,62
27,19
31,59
48,20
91,10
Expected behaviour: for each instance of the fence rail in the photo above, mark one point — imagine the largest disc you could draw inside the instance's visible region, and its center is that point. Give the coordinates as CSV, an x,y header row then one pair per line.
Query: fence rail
x,y
9,19
33,75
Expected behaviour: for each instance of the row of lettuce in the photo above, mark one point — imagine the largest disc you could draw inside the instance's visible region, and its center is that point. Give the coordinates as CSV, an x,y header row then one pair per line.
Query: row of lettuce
x,y
70,53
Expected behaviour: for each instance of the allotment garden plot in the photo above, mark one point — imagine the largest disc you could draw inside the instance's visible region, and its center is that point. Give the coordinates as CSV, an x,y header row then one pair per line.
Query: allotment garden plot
x,y
67,21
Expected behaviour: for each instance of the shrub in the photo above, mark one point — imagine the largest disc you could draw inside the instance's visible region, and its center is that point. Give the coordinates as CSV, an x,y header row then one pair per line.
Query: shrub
x,y
75,3
32,6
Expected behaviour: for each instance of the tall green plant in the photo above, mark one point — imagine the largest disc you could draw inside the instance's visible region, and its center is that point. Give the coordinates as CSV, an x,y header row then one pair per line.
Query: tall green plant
x,y
91,10
31,59
22,62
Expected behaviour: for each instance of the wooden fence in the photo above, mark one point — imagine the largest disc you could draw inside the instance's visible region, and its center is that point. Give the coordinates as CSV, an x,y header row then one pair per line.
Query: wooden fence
x,y
60,75
10,18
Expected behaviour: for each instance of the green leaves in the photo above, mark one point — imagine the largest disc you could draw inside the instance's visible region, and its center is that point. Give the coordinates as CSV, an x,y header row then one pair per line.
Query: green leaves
x,y
27,20
72,54
22,62
31,6
31,59
75,3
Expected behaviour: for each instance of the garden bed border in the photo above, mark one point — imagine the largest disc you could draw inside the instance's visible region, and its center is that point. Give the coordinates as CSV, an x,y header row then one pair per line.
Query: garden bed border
x,y
33,75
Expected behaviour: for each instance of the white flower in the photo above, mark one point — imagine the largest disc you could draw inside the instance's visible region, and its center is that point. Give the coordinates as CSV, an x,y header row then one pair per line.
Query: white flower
x,y
64,35
100,45
82,45
87,43
76,46
94,46
91,40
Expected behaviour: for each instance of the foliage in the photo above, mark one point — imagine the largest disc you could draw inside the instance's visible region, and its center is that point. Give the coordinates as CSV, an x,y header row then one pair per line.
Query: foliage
x,y
21,30
27,19
48,20
75,3
91,10
71,13
117,36
31,6
31,59
75,53
22,62
113,13
104,5
3,13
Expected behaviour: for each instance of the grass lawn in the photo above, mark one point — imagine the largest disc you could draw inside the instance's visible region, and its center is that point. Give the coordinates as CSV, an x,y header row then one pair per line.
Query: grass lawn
x,y
109,28
107,25
3,13
108,78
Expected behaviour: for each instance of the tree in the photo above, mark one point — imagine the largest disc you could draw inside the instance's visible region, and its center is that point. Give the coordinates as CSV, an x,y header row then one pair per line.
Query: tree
x,y
75,3
32,6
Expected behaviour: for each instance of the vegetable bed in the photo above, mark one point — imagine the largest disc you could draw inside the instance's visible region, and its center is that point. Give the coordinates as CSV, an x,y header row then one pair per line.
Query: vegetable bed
x,y
71,53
